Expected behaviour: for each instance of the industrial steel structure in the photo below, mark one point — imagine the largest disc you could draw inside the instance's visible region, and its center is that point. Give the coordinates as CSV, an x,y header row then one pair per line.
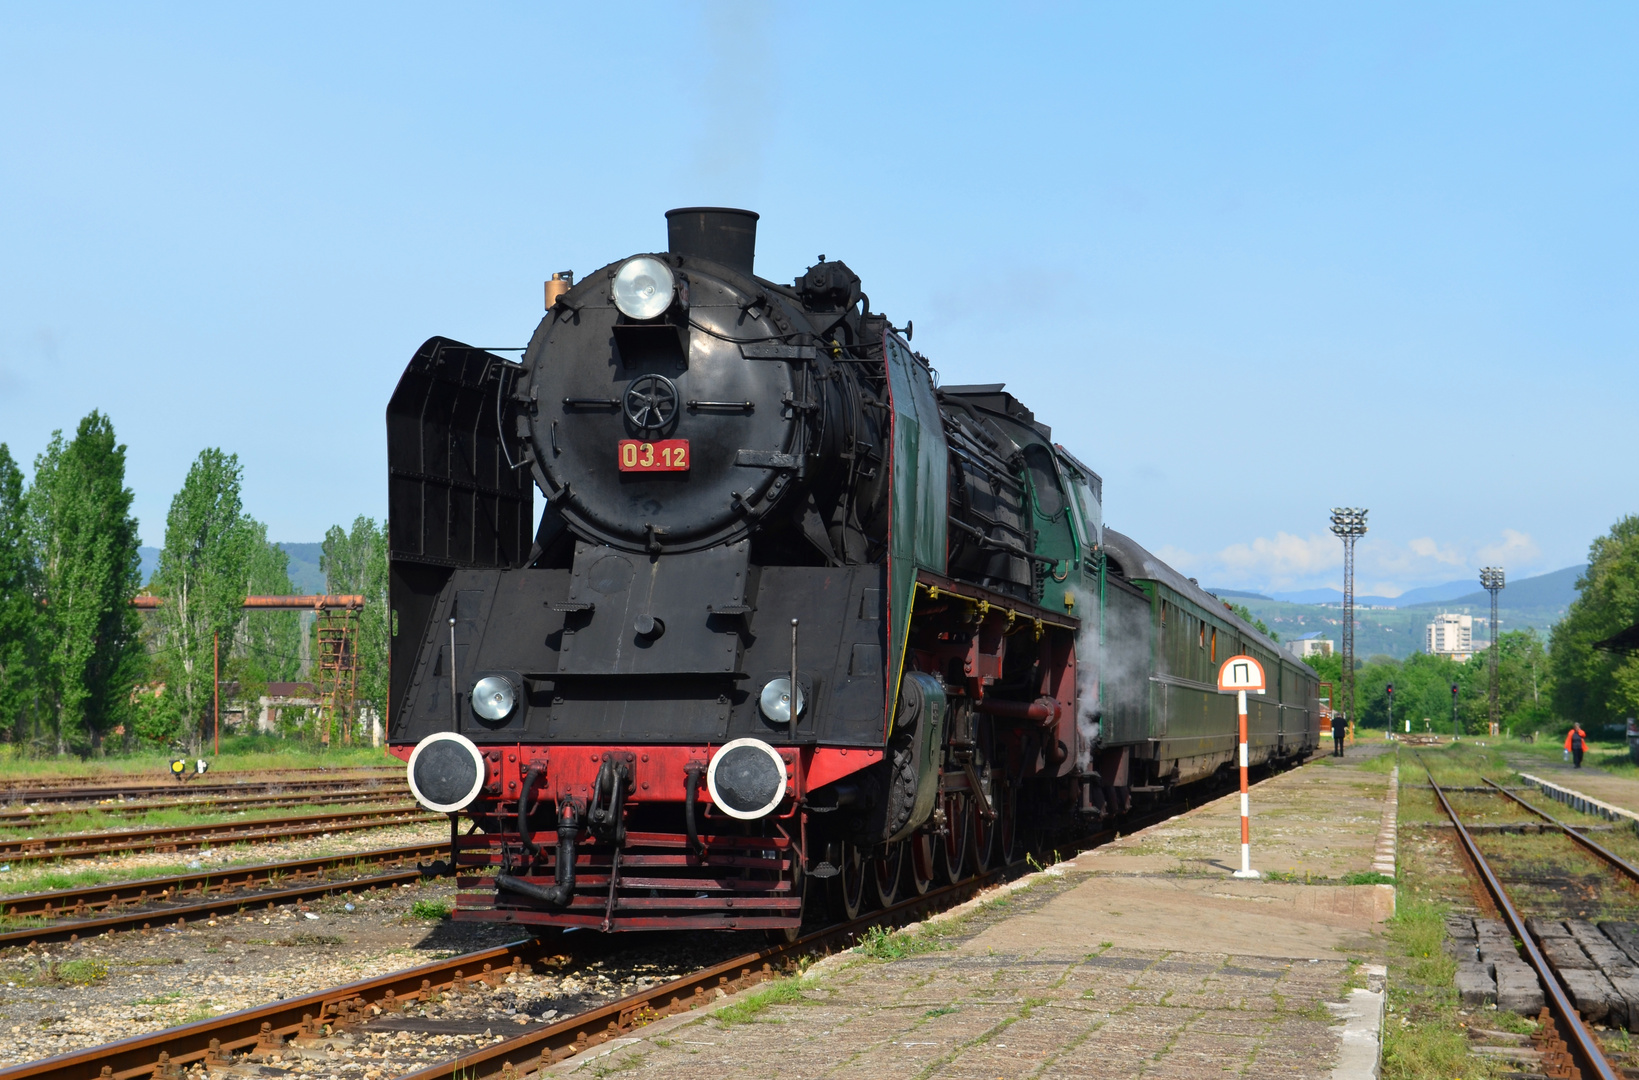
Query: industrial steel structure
x,y
1491,577
1348,525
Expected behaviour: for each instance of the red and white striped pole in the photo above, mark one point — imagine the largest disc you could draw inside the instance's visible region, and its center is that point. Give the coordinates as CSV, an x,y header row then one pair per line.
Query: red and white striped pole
x,y
1238,675
1246,870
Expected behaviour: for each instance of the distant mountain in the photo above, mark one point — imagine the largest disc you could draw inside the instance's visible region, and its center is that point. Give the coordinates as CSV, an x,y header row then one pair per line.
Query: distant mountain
x,y
1553,591
1309,596
1433,594
1238,594
305,574
304,567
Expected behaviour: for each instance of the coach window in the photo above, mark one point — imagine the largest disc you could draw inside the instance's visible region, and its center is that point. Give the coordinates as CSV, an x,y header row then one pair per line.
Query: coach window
x,y
1214,644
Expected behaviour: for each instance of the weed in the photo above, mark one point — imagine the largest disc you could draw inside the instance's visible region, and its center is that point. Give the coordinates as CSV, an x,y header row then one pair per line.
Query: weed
x,y
81,972
158,999
943,1010
883,944
778,992
201,1012
1368,877
430,909
306,939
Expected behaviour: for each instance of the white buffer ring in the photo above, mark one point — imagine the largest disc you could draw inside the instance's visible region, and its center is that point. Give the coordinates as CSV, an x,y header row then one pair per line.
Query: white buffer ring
x,y
461,799
757,787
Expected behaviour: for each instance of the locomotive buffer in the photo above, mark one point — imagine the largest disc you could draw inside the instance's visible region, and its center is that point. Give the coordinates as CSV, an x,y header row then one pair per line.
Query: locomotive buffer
x,y
1238,675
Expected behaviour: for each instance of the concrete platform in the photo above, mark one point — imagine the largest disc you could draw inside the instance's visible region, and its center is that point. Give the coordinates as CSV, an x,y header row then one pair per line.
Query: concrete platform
x,y
1142,958
1594,782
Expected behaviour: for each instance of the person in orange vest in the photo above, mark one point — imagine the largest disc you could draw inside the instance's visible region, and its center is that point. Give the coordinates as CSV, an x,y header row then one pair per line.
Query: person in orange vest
x,y
1576,741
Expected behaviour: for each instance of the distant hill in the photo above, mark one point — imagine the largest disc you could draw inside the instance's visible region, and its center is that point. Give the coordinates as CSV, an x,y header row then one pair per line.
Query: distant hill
x,y
305,574
1237,594
1555,591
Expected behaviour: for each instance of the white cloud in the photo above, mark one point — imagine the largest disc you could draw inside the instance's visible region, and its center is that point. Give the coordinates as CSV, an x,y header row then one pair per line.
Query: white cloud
x,y
1516,547
1382,567
1284,560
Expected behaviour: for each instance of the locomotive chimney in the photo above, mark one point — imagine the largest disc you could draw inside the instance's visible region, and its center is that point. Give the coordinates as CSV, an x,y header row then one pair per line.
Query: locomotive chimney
x,y
717,233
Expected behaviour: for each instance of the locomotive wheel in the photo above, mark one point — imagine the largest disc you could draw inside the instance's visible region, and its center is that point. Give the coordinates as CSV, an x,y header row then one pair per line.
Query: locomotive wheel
x,y
921,866
1007,812
889,870
799,887
848,894
953,849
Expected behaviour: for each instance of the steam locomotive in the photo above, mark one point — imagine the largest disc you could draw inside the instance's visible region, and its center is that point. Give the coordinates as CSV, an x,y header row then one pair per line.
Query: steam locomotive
x,y
793,619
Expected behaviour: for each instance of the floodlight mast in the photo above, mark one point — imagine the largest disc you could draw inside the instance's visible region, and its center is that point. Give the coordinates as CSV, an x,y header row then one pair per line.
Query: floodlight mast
x,y
1348,525
1492,580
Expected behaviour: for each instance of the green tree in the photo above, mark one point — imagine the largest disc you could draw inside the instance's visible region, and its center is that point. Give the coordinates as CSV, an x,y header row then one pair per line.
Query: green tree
x,y
1246,613
355,563
268,645
203,571
86,539
1589,685
19,607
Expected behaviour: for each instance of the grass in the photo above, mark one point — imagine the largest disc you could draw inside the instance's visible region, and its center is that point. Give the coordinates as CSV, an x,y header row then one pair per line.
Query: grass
x,y
1368,877
1611,755
778,992
880,943
239,752
1423,1038
430,909
81,972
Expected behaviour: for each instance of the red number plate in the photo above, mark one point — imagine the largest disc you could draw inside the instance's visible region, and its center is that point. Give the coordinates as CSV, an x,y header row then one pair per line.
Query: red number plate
x,y
667,455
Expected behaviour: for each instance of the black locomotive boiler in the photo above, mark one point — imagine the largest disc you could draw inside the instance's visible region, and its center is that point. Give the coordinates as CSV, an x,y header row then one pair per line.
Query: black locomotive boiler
x,y
793,616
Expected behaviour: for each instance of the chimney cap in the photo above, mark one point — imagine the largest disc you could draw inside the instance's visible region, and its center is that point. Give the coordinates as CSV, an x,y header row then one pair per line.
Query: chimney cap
x,y
721,234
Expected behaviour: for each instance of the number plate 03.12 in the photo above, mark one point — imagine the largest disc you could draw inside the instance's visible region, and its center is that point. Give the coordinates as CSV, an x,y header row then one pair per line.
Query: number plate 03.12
x,y
667,455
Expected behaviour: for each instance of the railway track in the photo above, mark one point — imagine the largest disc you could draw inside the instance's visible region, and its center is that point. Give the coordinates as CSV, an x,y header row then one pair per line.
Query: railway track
x,y
72,914
97,792
308,1018
18,819
184,837
1580,1044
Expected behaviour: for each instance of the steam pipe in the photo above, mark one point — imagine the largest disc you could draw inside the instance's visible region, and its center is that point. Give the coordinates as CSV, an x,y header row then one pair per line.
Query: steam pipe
x,y
691,791
1043,710
560,893
525,833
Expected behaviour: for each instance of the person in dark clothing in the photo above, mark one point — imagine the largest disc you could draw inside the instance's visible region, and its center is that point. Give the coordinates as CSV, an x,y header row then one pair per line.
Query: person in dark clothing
x,y
1339,727
1576,742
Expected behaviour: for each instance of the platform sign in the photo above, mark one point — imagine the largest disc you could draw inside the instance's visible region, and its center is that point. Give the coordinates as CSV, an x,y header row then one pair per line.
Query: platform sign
x,y
1241,675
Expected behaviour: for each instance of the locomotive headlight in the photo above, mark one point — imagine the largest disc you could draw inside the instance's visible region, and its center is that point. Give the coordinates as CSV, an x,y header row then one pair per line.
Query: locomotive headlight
x,y
643,287
493,697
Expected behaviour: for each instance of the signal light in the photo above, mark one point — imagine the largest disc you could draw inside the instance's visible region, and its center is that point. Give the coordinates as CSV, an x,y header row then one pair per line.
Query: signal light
x,y
1390,688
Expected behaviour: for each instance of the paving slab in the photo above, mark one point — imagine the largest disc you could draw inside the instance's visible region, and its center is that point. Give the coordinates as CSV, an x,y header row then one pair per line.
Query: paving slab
x,y
1141,958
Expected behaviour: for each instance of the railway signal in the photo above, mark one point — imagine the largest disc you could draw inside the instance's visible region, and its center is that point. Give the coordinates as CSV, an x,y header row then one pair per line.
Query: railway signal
x,y
1238,675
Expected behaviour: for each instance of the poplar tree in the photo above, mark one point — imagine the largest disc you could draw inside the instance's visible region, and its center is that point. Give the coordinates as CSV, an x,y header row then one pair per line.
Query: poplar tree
x,y
19,606
86,542
202,575
269,642
355,563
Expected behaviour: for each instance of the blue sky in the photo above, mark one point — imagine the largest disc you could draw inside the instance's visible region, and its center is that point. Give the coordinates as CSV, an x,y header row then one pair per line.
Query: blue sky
x,y
1250,261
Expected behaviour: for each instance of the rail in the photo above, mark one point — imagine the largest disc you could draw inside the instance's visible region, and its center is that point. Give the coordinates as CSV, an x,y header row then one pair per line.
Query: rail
x,y
1582,1042
118,842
